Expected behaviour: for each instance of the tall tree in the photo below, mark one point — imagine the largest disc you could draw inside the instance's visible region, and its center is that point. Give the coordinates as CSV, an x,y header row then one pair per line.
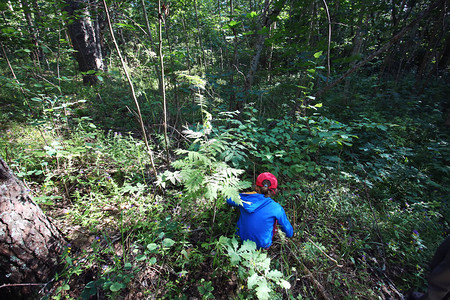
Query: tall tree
x,y
30,245
269,15
152,44
36,53
84,30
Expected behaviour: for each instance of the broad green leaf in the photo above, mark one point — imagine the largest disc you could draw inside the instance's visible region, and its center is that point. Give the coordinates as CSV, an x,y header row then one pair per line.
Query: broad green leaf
x,y
264,30
285,284
223,240
152,246
141,257
233,23
234,258
127,266
116,286
262,291
274,275
248,246
252,280
125,25
167,243
318,54
234,243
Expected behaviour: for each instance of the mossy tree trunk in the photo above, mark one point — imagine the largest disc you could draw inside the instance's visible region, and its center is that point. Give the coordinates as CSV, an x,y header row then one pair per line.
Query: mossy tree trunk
x,y
30,245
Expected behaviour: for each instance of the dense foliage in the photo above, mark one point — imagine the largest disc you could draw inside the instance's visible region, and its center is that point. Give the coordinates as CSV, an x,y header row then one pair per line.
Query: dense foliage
x,y
364,167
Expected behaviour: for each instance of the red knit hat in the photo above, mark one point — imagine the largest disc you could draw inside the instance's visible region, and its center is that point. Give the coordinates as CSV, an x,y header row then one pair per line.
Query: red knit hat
x,y
267,176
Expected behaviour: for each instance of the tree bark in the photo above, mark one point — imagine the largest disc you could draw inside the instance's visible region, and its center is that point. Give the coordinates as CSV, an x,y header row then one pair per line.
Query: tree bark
x,y
84,31
30,245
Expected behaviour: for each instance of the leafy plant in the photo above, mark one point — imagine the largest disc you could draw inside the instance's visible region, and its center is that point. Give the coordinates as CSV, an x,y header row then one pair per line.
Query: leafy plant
x,y
113,273
204,176
254,267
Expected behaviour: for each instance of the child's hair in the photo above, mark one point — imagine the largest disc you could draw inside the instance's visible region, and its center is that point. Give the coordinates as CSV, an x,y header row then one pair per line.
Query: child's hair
x,y
267,184
265,188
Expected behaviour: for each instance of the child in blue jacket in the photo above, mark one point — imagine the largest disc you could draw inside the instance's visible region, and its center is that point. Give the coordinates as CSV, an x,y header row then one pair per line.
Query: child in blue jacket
x,y
260,214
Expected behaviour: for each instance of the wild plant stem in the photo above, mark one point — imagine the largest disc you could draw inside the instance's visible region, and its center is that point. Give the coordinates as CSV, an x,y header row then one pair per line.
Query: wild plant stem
x,y
124,66
163,87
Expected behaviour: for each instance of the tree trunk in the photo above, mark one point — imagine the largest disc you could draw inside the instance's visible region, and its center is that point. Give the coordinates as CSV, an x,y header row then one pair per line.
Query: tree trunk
x,y
356,50
445,56
84,31
30,245
36,54
268,17
200,42
149,34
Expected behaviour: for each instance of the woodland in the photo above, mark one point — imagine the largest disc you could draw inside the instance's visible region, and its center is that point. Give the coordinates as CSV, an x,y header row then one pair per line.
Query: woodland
x,y
125,125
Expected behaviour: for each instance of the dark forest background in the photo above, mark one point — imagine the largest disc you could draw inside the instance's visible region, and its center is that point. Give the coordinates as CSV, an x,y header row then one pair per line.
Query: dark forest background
x,y
129,123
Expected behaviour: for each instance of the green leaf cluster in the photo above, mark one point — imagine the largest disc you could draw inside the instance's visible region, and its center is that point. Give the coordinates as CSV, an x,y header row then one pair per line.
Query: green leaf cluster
x,y
202,172
254,267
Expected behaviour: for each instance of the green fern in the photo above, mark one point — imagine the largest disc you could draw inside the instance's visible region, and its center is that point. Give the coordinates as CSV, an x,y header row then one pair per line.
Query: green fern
x,y
203,173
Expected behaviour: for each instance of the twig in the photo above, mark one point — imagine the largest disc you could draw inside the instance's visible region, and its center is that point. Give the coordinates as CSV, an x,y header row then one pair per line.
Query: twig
x,y
386,279
163,86
332,259
21,284
49,82
310,275
239,71
174,129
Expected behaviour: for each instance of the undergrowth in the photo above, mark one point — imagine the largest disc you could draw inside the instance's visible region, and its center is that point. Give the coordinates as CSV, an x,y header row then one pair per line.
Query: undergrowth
x,y
367,203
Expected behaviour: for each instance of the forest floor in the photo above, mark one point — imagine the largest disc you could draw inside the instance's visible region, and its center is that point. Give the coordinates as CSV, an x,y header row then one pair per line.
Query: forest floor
x,y
166,280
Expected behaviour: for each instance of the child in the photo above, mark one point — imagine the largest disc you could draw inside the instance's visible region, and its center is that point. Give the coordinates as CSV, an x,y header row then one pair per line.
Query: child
x,y
260,214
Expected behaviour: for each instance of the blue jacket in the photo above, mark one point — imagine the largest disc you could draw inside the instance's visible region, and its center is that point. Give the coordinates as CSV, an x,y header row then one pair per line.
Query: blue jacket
x,y
258,217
